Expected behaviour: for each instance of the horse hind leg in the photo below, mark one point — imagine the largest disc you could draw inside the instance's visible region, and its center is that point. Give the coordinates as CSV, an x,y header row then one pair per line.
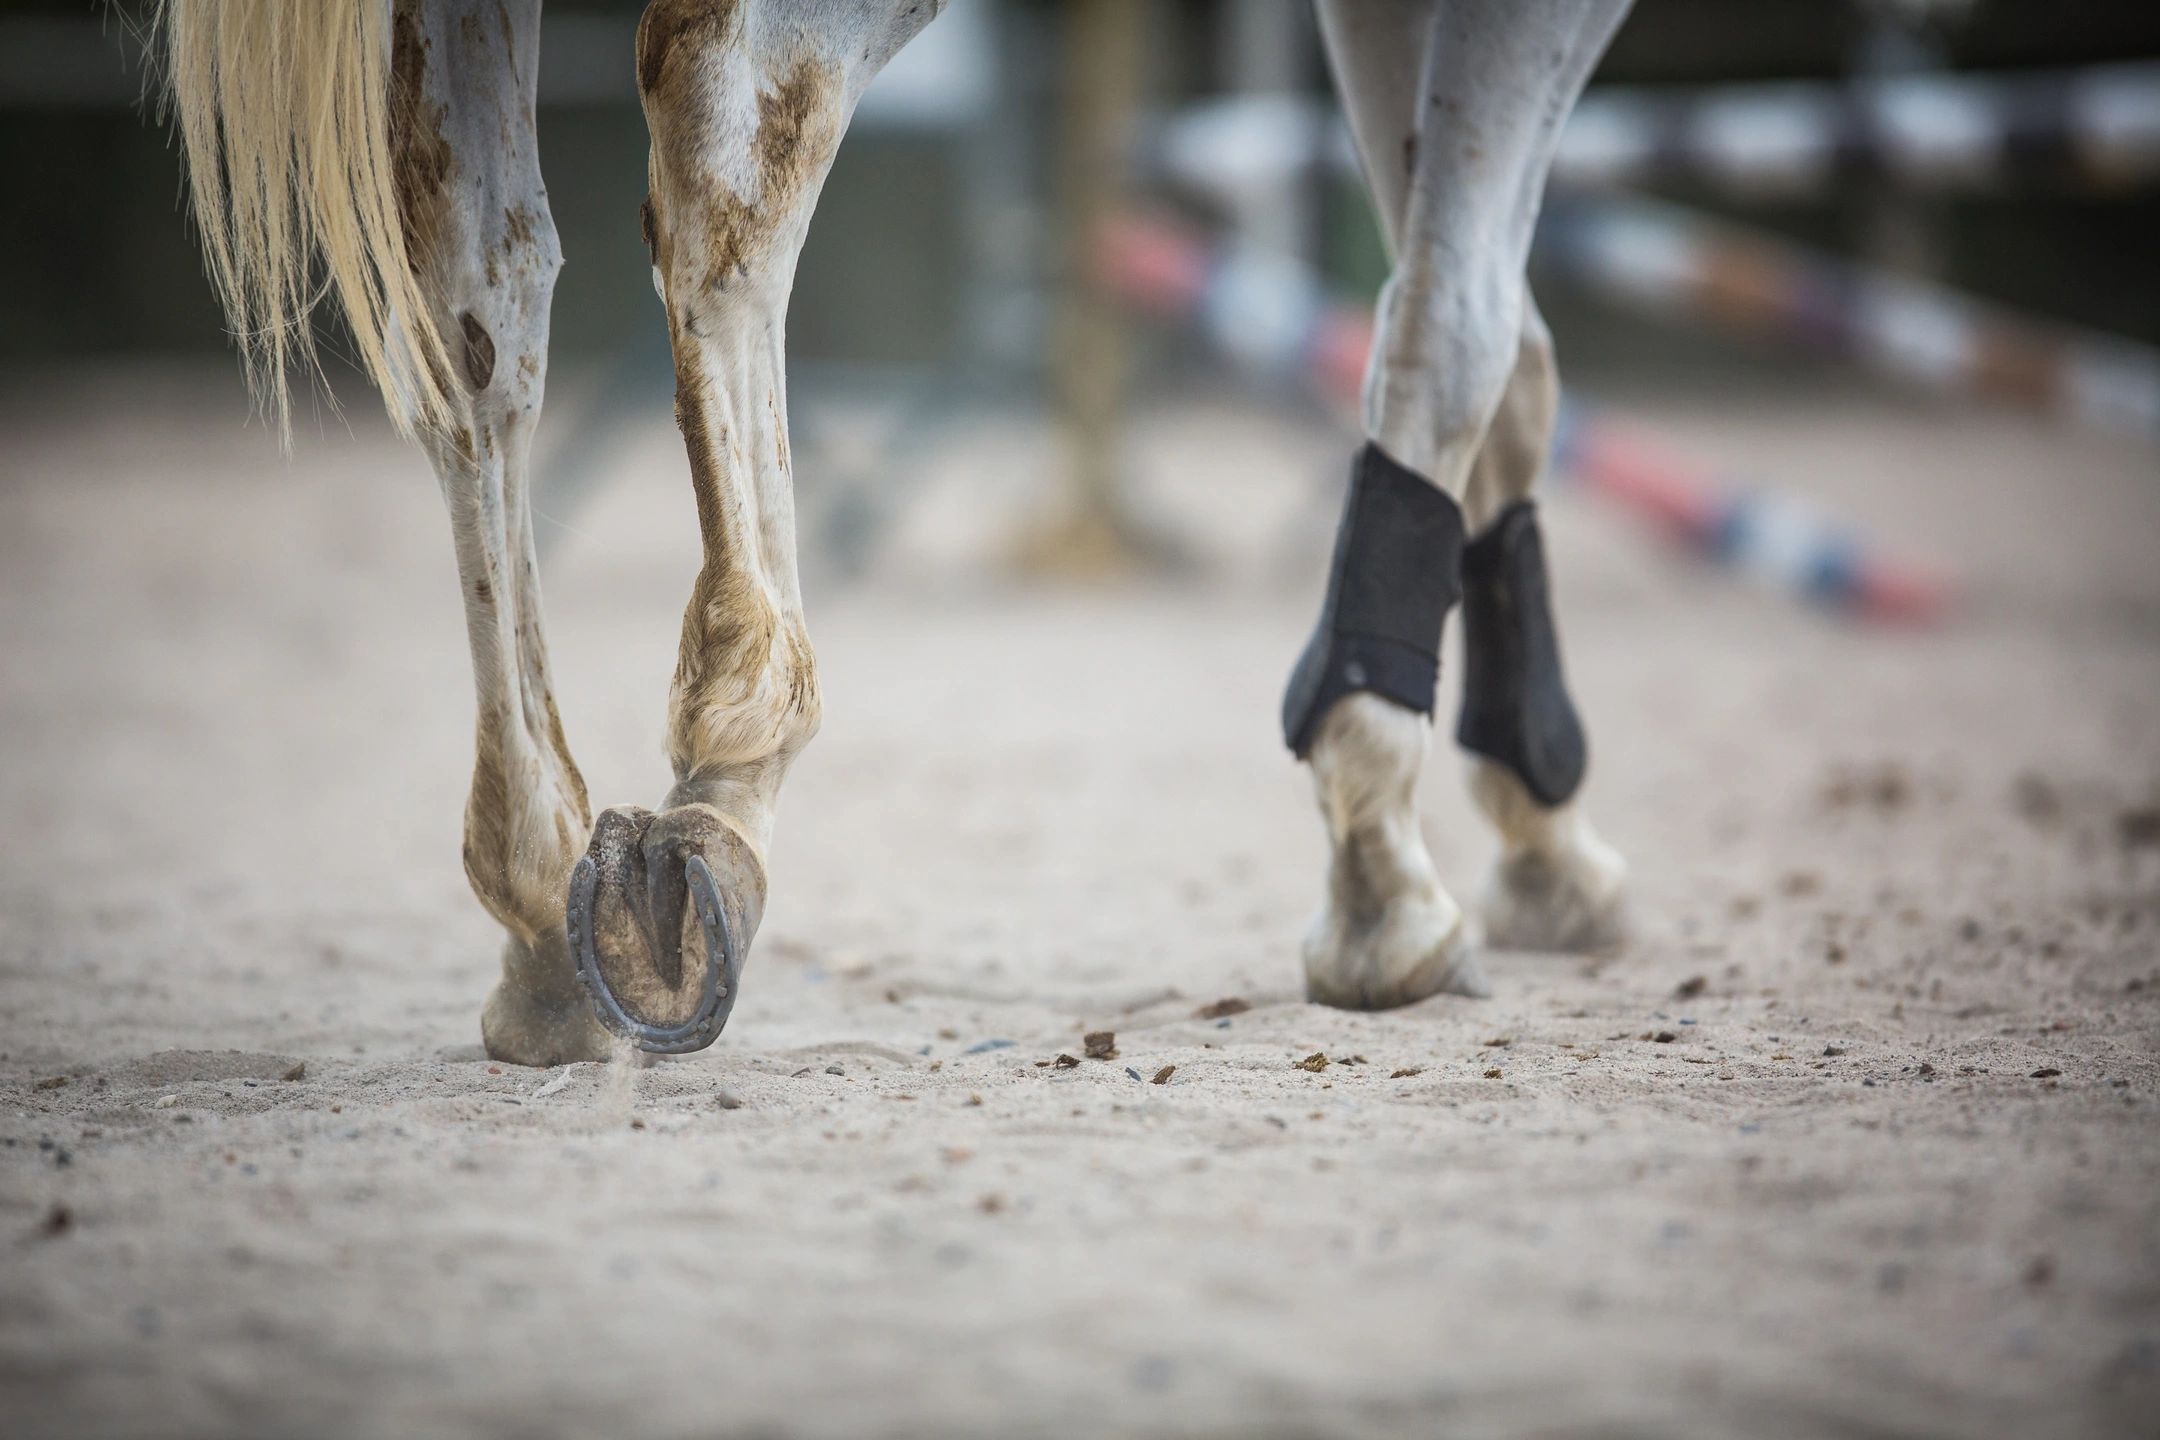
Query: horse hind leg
x,y
1555,885
746,104
484,246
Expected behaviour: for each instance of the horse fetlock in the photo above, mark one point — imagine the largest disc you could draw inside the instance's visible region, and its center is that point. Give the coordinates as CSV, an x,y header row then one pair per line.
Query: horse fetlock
x,y
524,816
746,700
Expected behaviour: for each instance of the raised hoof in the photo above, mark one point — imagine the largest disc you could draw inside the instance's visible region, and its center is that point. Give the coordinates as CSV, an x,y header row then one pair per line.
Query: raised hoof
x,y
1572,905
660,917
1411,954
535,1015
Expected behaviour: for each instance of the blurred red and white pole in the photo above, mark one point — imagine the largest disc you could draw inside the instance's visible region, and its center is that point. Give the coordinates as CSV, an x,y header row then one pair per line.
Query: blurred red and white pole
x,y
1272,316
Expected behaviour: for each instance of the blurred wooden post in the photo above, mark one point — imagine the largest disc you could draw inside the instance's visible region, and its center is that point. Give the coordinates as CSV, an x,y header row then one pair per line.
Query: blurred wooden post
x,y
1091,533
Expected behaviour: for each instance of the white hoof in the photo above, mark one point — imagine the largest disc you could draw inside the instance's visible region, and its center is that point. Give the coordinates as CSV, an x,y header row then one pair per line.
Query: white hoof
x,y
1413,950
1388,934
1531,903
1556,886
536,1014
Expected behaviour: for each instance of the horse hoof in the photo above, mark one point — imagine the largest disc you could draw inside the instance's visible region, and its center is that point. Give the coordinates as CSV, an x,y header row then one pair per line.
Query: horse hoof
x,y
660,916
1573,904
1414,951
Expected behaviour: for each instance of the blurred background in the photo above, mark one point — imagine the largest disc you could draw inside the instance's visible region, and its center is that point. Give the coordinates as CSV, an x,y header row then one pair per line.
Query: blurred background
x,y
1852,523
1952,201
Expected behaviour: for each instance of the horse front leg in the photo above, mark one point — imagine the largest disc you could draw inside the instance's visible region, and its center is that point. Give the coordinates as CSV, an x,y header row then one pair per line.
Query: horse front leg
x,y
746,103
483,246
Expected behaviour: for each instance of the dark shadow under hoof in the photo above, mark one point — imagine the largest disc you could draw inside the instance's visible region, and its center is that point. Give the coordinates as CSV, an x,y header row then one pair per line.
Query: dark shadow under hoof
x,y
659,919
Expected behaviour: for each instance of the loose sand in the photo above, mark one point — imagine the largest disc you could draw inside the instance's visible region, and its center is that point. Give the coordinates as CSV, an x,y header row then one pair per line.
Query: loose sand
x,y
1856,1136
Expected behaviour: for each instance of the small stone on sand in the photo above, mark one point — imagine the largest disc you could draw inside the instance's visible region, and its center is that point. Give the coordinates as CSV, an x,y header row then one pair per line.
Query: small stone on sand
x,y
554,1084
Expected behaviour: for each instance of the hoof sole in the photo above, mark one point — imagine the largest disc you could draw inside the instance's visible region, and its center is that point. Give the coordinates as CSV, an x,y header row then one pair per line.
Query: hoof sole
x,y
722,969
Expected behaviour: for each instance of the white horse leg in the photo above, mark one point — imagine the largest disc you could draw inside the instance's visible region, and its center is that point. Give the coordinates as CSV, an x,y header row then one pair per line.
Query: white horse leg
x,y
1556,884
746,102
476,221
1457,158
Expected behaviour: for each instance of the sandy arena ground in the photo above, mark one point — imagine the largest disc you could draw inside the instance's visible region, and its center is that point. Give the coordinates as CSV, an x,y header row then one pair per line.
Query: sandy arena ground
x,y
1856,1137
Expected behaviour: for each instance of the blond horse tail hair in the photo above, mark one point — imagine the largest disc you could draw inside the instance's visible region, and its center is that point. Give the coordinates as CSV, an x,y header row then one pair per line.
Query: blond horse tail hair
x,y
286,114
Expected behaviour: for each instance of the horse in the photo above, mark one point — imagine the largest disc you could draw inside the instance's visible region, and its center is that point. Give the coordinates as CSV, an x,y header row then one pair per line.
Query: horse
x,y
384,153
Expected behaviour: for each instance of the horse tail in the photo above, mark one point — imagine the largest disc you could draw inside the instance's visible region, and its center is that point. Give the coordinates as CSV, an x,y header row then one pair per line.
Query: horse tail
x,y
289,119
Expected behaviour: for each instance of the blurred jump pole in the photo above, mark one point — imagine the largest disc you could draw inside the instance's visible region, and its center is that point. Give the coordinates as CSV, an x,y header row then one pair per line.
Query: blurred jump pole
x,y
1092,531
